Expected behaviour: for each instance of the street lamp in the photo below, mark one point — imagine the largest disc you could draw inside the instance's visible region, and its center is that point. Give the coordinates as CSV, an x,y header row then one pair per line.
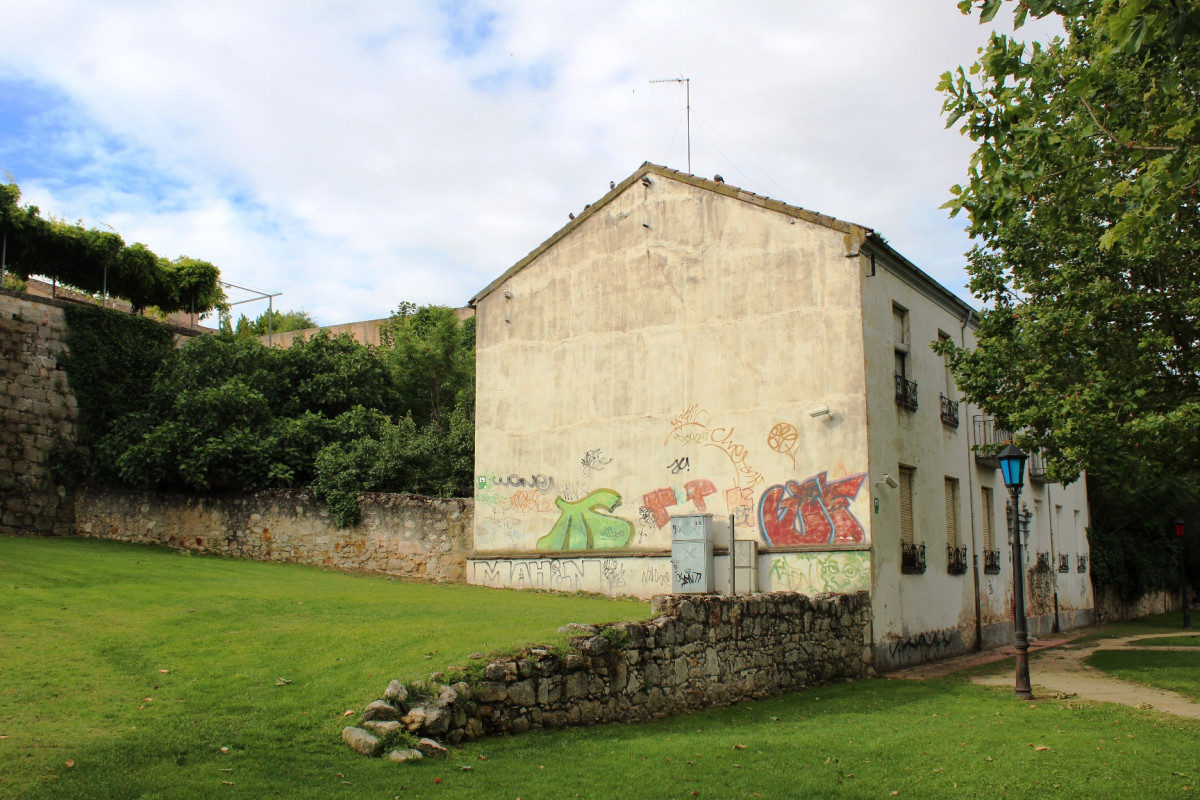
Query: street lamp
x,y
1180,526
1012,465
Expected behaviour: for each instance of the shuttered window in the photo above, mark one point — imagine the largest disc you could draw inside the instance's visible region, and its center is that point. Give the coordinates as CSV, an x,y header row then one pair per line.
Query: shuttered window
x,y
952,512
989,535
906,505
899,325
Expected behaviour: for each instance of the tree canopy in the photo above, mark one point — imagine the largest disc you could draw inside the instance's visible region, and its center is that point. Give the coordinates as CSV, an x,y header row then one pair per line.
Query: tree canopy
x,y
279,321
94,260
1082,201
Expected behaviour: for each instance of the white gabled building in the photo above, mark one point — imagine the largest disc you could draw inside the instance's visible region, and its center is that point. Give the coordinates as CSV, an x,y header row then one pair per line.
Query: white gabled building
x,y
686,347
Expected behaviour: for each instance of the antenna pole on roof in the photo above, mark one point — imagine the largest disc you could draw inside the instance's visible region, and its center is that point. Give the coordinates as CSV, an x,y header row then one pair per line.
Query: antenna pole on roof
x,y
687,86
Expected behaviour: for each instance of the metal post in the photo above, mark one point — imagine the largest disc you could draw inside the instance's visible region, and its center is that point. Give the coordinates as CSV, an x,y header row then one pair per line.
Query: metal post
x,y
1187,620
1022,688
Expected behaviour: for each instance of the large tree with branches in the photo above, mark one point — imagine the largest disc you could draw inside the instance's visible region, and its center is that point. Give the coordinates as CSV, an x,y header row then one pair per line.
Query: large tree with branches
x,y
1082,201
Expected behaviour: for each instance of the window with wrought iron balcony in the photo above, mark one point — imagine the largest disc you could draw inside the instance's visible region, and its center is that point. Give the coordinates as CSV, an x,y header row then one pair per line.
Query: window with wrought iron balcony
x,y
906,390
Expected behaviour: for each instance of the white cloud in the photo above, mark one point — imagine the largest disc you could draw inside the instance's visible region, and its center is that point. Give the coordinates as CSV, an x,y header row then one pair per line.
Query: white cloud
x,y
357,155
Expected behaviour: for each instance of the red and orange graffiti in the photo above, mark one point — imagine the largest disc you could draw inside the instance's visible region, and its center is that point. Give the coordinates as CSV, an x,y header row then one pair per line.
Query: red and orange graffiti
x,y
812,512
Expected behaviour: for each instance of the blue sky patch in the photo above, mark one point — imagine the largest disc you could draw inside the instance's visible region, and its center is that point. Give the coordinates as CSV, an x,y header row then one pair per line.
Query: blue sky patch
x,y
468,30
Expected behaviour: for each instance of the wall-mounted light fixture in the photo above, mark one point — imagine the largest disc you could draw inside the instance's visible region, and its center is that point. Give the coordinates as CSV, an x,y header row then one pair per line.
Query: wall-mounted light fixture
x,y
889,480
820,411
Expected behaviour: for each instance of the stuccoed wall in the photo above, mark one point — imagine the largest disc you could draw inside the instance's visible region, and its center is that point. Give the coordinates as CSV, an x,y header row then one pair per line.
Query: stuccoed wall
x,y
698,651
37,415
399,534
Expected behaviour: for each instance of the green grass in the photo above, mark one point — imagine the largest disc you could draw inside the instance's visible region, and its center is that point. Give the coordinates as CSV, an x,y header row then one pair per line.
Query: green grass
x,y
138,664
91,623
1191,640
1171,622
1174,671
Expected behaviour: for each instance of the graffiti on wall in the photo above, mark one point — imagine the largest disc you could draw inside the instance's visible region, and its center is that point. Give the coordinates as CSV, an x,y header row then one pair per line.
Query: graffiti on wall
x,y
564,574
740,504
680,465
593,461
926,645
694,425
530,501
588,524
785,439
657,501
811,512
811,573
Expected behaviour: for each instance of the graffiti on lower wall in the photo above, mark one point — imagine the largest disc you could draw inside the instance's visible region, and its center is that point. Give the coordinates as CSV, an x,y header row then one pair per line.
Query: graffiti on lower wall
x,y
812,573
588,524
922,646
641,576
811,512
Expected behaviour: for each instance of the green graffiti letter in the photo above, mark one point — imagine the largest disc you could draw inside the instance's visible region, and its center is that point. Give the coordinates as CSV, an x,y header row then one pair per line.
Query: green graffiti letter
x,y
582,527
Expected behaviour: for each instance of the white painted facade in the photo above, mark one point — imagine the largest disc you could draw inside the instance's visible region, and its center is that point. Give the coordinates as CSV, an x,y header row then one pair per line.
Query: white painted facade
x,y
684,347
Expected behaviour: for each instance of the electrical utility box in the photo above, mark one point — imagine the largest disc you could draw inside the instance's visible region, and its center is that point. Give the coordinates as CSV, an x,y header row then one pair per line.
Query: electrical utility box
x,y
745,566
692,553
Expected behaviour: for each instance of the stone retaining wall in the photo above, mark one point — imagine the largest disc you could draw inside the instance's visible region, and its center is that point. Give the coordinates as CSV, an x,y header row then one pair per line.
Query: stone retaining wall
x,y
699,651
37,416
404,535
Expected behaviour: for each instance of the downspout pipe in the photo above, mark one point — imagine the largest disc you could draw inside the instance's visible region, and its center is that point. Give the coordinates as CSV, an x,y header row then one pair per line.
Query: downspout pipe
x,y
962,338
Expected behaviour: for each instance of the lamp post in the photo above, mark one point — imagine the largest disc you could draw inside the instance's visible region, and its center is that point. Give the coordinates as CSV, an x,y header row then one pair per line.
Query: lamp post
x,y
1012,465
1180,526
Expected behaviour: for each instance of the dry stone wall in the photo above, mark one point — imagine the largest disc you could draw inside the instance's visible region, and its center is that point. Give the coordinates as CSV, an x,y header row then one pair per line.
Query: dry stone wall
x,y
698,651
37,416
403,535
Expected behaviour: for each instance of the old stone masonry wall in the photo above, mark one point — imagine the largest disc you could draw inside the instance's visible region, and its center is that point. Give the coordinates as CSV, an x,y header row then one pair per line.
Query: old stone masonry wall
x,y
699,651
404,535
37,415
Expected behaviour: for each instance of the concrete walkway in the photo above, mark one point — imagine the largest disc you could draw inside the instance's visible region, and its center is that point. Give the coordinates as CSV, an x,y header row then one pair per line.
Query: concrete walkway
x,y
1057,668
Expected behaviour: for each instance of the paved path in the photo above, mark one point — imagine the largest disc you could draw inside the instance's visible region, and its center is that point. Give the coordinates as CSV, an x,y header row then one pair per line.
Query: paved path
x,y
1056,666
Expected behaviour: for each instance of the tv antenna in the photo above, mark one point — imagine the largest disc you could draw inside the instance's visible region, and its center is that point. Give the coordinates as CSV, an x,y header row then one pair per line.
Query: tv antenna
x,y
687,86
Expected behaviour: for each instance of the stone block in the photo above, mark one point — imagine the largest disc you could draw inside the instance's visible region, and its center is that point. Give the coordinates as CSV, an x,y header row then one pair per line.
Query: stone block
x,y
363,741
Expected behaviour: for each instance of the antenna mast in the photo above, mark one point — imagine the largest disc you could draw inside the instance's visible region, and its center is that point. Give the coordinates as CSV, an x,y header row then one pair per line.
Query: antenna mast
x,y
687,86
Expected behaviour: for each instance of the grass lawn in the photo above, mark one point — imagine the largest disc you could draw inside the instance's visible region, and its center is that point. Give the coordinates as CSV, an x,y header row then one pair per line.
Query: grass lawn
x,y
1189,640
139,664
1173,671
90,625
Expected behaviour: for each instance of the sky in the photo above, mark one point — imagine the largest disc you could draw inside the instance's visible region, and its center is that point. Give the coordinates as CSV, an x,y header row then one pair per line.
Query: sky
x,y
353,155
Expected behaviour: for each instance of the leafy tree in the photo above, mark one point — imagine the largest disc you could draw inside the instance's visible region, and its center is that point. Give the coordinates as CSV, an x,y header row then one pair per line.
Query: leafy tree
x,y
94,260
432,355
280,322
1081,197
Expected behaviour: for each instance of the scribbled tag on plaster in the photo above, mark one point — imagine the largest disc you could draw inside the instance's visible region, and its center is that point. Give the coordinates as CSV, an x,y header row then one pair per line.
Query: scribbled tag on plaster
x,y
581,526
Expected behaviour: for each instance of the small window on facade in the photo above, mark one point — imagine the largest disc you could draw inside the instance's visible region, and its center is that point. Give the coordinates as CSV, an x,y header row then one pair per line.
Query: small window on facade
x,y
944,338
906,505
952,512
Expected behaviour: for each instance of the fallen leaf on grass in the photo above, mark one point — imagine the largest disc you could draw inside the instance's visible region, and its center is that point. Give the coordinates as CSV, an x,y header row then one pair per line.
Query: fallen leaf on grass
x,y
1038,747
347,712
482,757
465,767
225,769
70,762
739,747
4,736
282,681
437,780
227,783
224,750
165,671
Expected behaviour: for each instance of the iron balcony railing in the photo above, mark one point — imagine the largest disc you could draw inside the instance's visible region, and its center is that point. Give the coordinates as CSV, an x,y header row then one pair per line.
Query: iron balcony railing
x,y
1064,562
1043,562
906,393
1081,563
988,439
991,562
1037,468
912,558
949,412
956,560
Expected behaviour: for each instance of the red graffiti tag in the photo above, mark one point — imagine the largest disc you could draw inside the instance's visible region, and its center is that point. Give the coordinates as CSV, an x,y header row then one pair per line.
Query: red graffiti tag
x,y
699,489
657,501
811,512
